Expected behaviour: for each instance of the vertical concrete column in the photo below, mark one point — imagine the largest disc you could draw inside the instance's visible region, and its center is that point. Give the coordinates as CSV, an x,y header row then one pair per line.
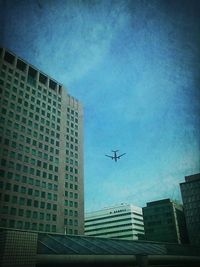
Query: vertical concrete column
x,y
142,260
37,78
2,54
47,83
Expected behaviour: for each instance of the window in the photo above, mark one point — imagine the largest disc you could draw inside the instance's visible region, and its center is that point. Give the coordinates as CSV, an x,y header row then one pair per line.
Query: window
x,y
17,177
27,149
24,179
21,212
9,175
34,226
66,212
42,205
23,120
6,198
29,202
49,196
18,167
5,210
25,103
39,163
30,191
14,199
28,140
15,188
27,225
19,156
32,171
50,167
11,223
3,222
28,213
41,216
13,211
3,162
2,173
35,215
49,186
22,201
37,182
12,154
23,190
25,169
48,206
53,228
47,228
44,175
71,213
44,165
41,227
48,217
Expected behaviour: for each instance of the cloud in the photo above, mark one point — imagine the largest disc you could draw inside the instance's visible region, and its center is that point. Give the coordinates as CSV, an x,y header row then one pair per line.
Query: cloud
x,y
80,39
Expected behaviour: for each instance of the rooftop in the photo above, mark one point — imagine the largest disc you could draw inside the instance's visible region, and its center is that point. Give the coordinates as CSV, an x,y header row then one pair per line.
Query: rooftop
x,y
48,249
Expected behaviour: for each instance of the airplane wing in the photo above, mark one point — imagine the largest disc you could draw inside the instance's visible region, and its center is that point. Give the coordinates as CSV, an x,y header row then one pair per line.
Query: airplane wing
x,y
121,155
109,156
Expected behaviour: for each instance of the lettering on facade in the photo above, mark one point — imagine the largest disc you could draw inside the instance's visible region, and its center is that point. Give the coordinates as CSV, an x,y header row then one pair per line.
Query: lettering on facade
x,y
116,211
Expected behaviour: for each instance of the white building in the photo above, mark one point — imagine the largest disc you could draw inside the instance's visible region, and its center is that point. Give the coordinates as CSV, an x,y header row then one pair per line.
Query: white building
x,y
124,221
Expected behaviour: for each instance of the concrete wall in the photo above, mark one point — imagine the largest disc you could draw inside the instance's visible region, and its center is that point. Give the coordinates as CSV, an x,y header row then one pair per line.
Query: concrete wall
x,y
18,248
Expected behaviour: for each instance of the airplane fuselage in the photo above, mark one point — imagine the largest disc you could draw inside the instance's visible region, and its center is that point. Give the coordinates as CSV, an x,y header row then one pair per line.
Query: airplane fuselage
x,y
115,157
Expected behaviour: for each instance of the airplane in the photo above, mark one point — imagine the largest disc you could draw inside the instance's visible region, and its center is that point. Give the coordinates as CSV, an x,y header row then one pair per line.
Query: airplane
x,y
115,157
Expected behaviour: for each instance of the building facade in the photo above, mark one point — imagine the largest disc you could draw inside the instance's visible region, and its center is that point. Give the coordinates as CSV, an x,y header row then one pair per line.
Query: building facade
x,y
190,191
124,221
41,153
164,221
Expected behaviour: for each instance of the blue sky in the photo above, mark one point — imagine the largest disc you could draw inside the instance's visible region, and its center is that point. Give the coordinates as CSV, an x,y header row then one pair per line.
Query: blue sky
x,y
134,64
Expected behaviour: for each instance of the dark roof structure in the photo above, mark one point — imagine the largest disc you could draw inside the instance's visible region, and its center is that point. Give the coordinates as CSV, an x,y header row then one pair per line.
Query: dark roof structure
x,y
67,250
84,245
32,249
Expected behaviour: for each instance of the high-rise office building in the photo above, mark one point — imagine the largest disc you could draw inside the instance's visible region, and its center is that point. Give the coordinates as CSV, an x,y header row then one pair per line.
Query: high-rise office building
x,y
123,221
190,191
164,221
41,153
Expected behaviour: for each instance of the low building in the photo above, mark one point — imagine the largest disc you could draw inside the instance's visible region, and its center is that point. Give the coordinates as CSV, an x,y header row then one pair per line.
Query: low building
x,y
164,221
123,221
31,249
190,191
